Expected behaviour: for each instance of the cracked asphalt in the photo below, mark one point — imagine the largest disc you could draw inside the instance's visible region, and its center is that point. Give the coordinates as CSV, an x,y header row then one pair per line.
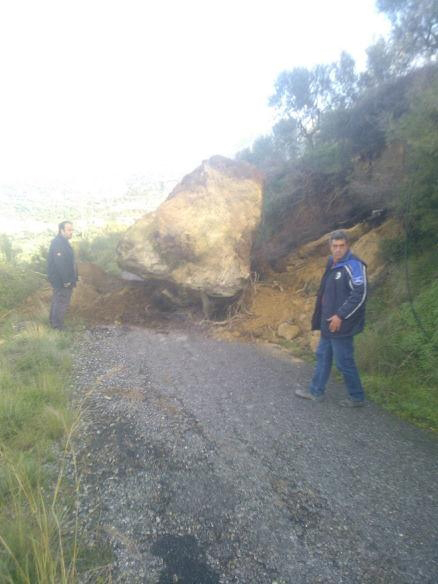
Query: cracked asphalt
x,y
199,465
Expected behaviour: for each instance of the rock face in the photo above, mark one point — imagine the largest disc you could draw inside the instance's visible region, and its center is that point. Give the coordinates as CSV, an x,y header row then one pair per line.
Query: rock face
x,y
200,239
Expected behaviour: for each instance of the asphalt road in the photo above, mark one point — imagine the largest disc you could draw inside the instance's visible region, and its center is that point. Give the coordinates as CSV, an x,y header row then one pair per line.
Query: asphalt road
x,y
201,466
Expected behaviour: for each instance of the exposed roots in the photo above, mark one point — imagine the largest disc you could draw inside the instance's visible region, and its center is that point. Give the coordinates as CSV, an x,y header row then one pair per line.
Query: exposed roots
x,y
239,309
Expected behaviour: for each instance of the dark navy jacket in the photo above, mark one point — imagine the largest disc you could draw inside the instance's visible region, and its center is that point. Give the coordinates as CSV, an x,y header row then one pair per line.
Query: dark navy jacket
x,y
61,267
343,291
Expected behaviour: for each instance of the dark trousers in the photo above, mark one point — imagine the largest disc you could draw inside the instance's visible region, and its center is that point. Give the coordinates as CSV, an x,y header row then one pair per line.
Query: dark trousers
x,y
60,302
342,349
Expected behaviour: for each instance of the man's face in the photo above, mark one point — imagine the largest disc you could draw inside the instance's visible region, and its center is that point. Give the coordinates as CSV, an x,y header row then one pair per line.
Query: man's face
x,y
339,248
67,232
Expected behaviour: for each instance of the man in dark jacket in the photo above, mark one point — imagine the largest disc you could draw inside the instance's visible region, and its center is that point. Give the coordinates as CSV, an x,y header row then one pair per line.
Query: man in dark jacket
x,y
62,273
339,315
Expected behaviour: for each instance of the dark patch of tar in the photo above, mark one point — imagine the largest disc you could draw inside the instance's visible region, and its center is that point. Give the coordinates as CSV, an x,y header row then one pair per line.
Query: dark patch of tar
x,y
185,561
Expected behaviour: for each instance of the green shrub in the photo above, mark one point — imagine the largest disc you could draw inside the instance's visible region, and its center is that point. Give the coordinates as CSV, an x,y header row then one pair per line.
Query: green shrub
x,y
16,283
330,158
398,351
101,250
418,130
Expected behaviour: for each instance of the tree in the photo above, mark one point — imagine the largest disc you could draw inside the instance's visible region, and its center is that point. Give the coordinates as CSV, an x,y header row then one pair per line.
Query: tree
x,y
418,130
285,135
414,35
262,153
271,151
303,95
381,64
345,82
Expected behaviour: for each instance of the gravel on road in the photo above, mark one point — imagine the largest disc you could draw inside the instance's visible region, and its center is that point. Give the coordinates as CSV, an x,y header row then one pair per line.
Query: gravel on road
x,y
200,465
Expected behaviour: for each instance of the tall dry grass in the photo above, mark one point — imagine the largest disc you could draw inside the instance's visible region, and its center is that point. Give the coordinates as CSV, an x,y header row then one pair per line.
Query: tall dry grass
x,y
38,501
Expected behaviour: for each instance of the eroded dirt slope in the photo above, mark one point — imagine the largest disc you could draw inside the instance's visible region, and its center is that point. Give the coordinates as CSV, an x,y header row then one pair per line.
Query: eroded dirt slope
x,y
288,295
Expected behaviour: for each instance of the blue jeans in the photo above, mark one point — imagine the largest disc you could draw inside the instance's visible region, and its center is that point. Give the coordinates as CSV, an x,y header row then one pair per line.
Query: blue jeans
x,y
342,349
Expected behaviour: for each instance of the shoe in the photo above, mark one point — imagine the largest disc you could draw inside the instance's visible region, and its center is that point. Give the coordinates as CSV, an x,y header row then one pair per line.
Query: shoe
x,y
351,403
305,393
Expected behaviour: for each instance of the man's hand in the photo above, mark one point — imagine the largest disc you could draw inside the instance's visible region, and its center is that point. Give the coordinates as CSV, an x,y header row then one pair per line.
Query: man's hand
x,y
335,323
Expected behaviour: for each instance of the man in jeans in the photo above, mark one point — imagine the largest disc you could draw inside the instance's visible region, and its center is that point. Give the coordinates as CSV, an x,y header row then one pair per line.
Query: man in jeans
x,y
339,315
62,273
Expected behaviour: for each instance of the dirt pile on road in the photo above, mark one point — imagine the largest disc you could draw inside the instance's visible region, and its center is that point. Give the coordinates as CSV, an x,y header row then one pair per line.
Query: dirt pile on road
x,y
124,304
101,298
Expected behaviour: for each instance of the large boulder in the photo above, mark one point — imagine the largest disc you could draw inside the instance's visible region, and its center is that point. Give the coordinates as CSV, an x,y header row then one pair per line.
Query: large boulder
x,y
200,239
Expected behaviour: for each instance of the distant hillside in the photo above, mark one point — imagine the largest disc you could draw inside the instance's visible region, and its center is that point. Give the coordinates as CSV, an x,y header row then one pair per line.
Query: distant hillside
x,y
30,215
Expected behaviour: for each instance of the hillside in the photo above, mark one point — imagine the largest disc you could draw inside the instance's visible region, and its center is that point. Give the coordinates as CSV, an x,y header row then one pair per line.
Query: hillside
x,y
374,161
364,158
30,215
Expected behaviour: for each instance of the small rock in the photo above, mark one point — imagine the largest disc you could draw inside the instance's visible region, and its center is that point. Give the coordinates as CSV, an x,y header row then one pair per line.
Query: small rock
x,y
288,331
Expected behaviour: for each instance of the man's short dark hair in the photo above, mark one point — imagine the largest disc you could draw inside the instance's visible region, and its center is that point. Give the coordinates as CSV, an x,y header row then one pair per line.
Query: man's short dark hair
x,y
339,234
62,225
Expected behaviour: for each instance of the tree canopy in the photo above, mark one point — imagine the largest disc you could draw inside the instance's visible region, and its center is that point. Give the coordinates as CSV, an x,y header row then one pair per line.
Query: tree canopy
x,y
302,95
414,34
328,115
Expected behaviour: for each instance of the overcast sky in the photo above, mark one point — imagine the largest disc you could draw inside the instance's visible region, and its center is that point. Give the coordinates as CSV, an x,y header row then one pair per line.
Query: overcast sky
x,y
101,91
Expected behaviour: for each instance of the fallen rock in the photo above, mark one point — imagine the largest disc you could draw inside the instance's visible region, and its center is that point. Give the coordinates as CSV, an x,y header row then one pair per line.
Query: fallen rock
x,y
200,238
288,331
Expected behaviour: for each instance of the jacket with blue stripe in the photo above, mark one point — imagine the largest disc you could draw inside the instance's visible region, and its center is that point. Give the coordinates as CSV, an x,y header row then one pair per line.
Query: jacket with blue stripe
x,y
343,291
